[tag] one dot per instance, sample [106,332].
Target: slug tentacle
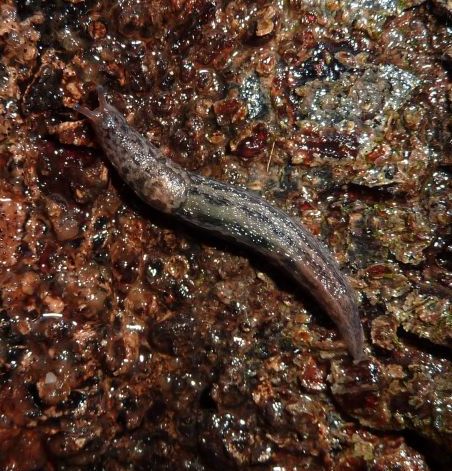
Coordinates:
[230,212]
[101,97]
[90,114]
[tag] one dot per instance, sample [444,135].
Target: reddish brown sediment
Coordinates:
[127,340]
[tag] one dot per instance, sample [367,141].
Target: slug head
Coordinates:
[105,118]
[155,179]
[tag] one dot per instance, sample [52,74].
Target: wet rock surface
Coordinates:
[129,341]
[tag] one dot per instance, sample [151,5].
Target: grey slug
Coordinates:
[230,212]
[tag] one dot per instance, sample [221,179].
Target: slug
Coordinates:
[231,213]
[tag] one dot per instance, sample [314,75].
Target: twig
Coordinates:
[271,155]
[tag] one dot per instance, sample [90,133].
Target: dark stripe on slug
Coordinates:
[213,200]
[258,215]
[235,229]
[250,207]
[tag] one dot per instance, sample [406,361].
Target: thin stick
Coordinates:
[271,155]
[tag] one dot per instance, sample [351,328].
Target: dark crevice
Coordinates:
[440,352]
[434,454]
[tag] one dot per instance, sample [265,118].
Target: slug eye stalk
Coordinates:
[96,113]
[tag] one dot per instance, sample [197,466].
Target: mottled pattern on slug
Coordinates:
[157,180]
[232,213]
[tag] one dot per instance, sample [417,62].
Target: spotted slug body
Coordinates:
[155,179]
[232,213]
